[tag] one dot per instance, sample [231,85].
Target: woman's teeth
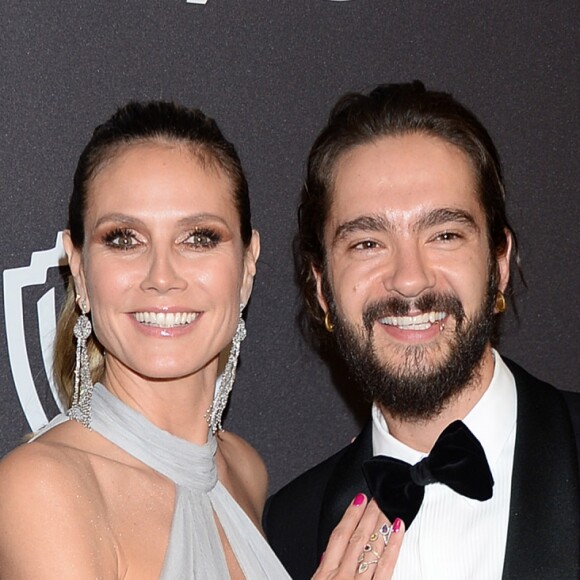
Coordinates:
[165,319]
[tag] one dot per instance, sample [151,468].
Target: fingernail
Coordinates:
[321,557]
[397,525]
[359,499]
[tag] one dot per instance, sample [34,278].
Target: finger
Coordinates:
[367,543]
[342,533]
[386,564]
[361,535]
[362,546]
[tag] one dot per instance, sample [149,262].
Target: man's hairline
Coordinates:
[332,172]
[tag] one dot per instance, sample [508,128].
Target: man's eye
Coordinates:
[366,245]
[447,236]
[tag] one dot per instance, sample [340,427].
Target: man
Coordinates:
[405,252]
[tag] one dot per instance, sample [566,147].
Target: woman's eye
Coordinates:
[203,239]
[120,239]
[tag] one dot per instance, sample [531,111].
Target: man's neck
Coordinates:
[421,435]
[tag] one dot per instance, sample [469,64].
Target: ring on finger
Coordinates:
[363,565]
[366,550]
[386,531]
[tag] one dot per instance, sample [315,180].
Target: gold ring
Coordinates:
[364,566]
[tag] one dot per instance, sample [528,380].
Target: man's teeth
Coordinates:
[165,319]
[419,322]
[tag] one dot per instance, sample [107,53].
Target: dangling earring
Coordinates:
[225,384]
[83,388]
[328,324]
[500,302]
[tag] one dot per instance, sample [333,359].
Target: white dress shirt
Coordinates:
[454,537]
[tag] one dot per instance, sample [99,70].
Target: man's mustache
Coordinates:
[428,302]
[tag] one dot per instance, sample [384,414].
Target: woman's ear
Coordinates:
[75,263]
[251,256]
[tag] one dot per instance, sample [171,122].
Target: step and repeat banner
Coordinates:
[269,71]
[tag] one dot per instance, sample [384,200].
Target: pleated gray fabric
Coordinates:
[195,550]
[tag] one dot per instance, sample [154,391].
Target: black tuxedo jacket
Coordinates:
[544,526]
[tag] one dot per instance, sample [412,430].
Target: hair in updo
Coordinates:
[136,123]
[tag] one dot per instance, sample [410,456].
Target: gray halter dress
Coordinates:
[195,549]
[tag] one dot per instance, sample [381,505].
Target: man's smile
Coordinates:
[419,322]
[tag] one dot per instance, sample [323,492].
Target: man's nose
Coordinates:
[409,272]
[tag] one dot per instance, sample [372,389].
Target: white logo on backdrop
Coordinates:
[15,280]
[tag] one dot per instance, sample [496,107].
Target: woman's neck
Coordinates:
[177,405]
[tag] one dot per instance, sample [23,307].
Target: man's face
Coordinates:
[409,277]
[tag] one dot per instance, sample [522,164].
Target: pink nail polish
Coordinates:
[397,525]
[359,499]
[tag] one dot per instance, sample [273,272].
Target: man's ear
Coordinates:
[251,256]
[75,262]
[319,292]
[503,262]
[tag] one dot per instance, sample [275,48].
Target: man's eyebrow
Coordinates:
[379,223]
[365,223]
[445,215]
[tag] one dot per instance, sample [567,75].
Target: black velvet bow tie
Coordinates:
[457,460]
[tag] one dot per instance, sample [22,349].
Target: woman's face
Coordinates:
[163,268]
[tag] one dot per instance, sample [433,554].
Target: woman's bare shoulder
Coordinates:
[245,471]
[49,457]
[51,516]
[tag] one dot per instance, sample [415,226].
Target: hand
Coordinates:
[363,545]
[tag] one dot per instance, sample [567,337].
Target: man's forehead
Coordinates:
[404,177]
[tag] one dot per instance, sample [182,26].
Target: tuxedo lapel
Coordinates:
[544,526]
[346,481]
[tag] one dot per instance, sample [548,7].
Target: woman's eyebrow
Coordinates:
[119,218]
[130,220]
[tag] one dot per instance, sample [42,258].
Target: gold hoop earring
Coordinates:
[328,322]
[500,302]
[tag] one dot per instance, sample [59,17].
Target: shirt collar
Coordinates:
[491,420]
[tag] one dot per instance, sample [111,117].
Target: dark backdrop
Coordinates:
[269,71]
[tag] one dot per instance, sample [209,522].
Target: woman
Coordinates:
[141,482]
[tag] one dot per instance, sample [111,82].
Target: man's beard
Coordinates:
[419,386]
